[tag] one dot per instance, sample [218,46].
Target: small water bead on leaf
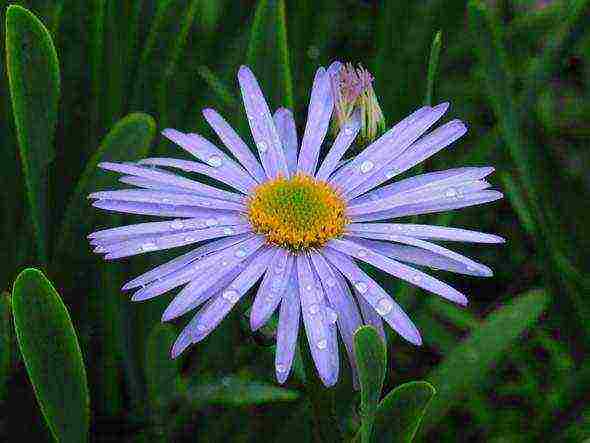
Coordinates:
[231,295]
[384,306]
[366,166]
[215,161]
[322,344]
[361,286]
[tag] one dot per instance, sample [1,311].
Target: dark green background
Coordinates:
[517,72]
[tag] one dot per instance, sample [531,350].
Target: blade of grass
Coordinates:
[432,67]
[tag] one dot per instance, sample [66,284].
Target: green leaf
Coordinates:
[5,341]
[268,53]
[52,356]
[467,365]
[399,414]
[34,79]
[432,67]
[233,390]
[371,356]
[161,371]
[222,92]
[130,139]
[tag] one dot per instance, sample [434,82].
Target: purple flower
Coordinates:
[298,225]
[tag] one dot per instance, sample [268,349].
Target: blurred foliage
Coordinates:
[85,81]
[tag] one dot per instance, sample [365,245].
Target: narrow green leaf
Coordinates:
[233,390]
[161,371]
[34,78]
[221,90]
[5,341]
[463,369]
[519,203]
[400,413]
[371,355]
[129,139]
[268,52]
[52,356]
[432,67]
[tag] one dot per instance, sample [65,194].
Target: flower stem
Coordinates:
[325,423]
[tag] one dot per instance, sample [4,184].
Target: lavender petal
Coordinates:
[288,329]
[287,130]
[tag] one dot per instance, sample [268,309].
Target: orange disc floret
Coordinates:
[297,213]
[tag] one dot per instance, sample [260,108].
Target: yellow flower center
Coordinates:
[297,213]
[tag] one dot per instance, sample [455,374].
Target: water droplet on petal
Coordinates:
[231,295]
[211,222]
[384,306]
[366,166]
[215,161]
[201,327]
[348,130]
[362,253]
[322,344]
[451,193]
[416,278]
[262,146]
[373,197]
[149,246]
[275,285]
[314,309]
[331,315]
[330,282]
[189,239]
[361,286]
[228,231]
[308,287]
[166,200]
[241,253]
[281,368]
[390,173]
[177,224]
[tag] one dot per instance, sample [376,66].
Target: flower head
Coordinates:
[297,225]
[353,91]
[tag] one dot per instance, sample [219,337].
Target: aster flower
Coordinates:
[297,225]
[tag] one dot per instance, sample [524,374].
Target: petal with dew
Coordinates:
[321,104]
[313,307]
[241,182]
[159,210]
[343,141]
[287,329]
[285,124]
[262,126]
[375,296]
[271,289]
[235,144]
[403,272]
[422,149]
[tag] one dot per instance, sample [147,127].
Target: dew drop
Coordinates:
[281,368]
[348,130]
[362,253]
[361,286]
[99,249]
[231,295]
[241,253]
[177,224]
[322,344]
[189,239]
[330,282]
[224,263]
[275,285]
[262,146]
[331,315]
[416,278]
[384,306]
[211,222]
[166,201]
[366,166]
[308,287]
[390,173]
[228,231]
[215,161]
[314,309]
[201,327]
[373,197]
[451,193]
[150,246]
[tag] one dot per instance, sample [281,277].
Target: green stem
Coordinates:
[325,423]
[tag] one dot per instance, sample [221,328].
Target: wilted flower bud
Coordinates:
[353,89]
